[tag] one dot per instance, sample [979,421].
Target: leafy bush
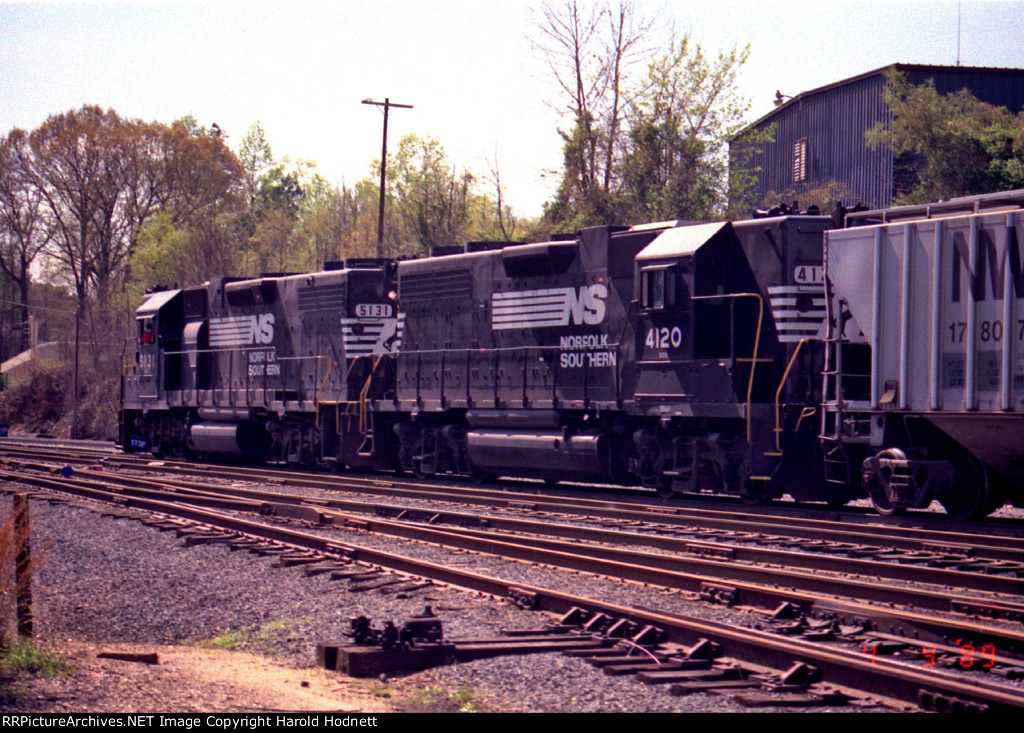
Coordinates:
[42,403]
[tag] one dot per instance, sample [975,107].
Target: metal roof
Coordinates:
[680,241]
[155,302]
[874,72]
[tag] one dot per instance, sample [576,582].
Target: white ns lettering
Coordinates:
[263,329]
[588,307]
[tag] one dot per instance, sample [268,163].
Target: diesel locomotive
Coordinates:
[778,355]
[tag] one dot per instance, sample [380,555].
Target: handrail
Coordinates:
[778,392]
[363,423]
[125,364]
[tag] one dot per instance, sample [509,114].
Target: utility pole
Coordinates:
[386,104]
[958,34]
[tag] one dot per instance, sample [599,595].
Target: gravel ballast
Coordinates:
[116,580]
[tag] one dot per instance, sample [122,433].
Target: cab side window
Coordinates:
[658,287]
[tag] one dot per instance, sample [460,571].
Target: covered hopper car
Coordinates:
[778,355]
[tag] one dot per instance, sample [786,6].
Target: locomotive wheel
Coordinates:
[969,497]
[837,502]
[479,476]
[664,488]
[876,489]
[757,493]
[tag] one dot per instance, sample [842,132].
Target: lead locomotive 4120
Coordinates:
[756,358]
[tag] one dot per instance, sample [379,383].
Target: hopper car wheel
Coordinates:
[969,497]
[876,489]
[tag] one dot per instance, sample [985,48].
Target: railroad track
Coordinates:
[1000,540]
[852,630]
[690,564]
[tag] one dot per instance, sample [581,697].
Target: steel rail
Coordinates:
[703,556]
[898,537]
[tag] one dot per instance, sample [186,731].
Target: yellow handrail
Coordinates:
[778,393]
[363,422]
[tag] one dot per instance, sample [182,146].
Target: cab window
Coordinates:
[658,287]
[146,331]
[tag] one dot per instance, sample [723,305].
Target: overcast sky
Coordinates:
[478,86]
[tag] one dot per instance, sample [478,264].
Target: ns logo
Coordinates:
[549,307]
[263,329]
[235,331]
[588,306]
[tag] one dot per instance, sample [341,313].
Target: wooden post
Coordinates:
[23,565]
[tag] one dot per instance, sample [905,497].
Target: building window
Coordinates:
[800,161]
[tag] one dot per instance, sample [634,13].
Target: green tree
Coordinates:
[675,165]
[277,242]
[333,224]
[640,147]
[431,202]
[161,259]
[948,145]
[256,158]
[194,235]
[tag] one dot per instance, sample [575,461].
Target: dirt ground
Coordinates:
[190,679]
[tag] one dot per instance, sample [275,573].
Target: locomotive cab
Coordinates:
[152,374]
[730,320]
[698,344]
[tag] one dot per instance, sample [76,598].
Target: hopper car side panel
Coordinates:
[938,302]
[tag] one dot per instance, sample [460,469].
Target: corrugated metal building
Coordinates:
[819,135]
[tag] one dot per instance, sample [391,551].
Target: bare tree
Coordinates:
[23,230]
[506,220]
[626,34]
[590,50]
